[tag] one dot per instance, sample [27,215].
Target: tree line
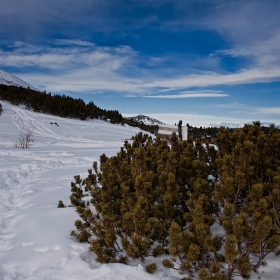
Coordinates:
[63,106]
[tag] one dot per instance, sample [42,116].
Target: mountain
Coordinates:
[11,80]
[145,120]
[228,125]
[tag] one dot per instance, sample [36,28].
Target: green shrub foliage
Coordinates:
[212,207]
[248,195]
[151,268]
[60,204]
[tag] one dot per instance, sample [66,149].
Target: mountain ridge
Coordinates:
[145,120]
[11,80]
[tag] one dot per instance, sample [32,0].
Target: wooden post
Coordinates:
[156,130]
[180,130]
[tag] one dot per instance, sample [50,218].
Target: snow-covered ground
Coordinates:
[35,241]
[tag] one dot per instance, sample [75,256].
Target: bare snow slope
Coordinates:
[11,80]
[35,241]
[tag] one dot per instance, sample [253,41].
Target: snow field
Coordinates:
[35,241]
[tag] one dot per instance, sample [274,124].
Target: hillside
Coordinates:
[11,80]
[63,106]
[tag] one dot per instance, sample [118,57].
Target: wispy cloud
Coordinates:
[67,42]
[246,76]
[271,110]
[191,94]
[76,67]
[82,66]
[235,105]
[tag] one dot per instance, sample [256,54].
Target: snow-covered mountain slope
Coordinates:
[11,80]
[145,120]
[35,241]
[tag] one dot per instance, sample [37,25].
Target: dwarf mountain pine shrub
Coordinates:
[137,195]
[151,268]
[61,204]
[246,191]
[248,194]
[213,209]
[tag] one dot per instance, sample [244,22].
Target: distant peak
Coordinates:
[145,120]
[11,80]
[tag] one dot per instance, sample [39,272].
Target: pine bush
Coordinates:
[151,268]
[156,198]
[61,204]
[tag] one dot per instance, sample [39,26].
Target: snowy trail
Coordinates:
[35,241]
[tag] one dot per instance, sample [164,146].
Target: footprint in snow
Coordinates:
[62,262]
[77,248]
[55,248]
[41,250]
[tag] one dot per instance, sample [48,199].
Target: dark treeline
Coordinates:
[68,107]
[211,133]
[203,132]
[62,105]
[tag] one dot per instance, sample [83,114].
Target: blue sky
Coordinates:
[201,61]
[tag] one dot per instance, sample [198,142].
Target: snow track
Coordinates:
[23,118]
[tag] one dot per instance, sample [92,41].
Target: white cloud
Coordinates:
[190,94]
[235,105]
[271,110]
[67,42]
[76,65]
[246,76]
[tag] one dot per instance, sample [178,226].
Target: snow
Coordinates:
[11,80]
[35,241]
